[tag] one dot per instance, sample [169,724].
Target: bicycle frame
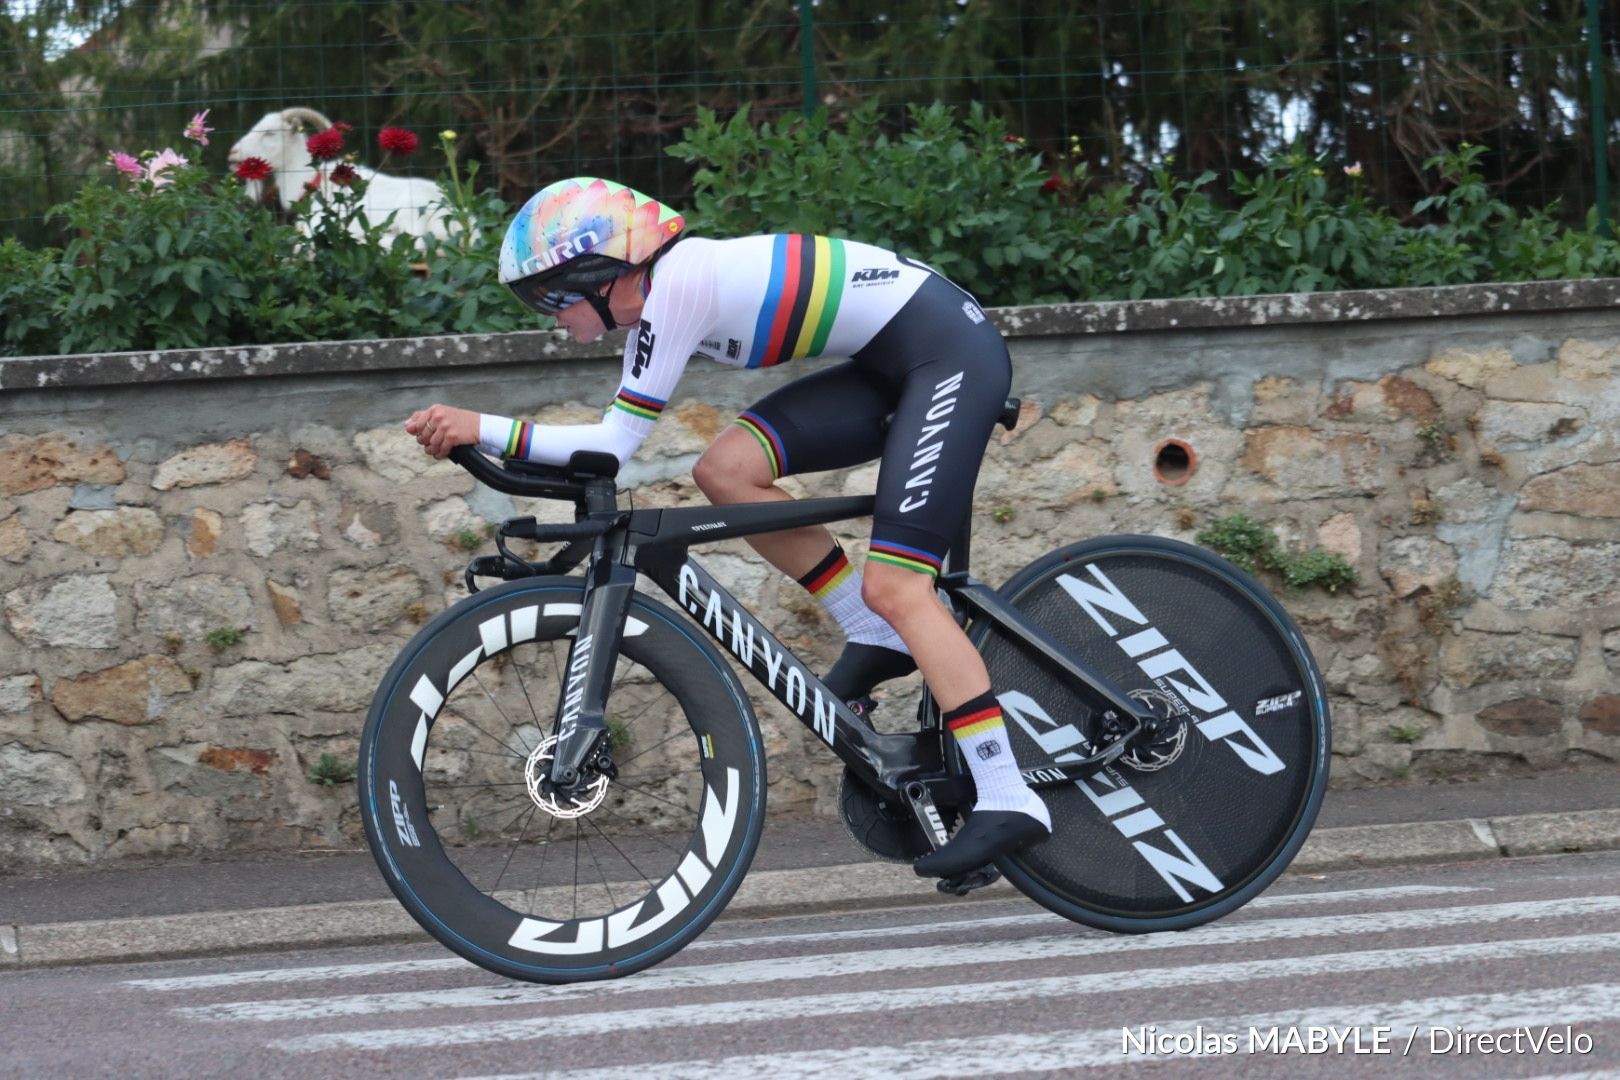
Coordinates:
[908,765]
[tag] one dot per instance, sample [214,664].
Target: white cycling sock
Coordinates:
[837,585]
[982,737]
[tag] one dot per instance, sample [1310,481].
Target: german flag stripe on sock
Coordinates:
[768,439]
[648,408]
[909,557]
[829,579]
[517,443]
[965,727]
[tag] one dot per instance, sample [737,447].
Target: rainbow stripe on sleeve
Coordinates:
[768,440]
[647,408]
[801,299]
[908,557]
[517,443]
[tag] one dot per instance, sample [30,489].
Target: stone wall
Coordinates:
[208,559]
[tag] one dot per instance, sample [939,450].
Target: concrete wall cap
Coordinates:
[1042,320]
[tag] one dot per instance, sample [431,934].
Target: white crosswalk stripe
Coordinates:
[859,963]
[1105,1047]
[326,973]
[754,1010]
[865,1000]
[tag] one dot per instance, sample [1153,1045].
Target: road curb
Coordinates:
[763,893]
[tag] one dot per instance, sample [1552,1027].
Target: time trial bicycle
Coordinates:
[562,778]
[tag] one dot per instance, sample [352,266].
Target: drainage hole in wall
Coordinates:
[1174,462]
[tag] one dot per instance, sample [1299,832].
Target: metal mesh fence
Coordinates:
[540,90]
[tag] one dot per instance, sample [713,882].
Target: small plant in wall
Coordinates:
[1405,733]
[224,637]
[1443,601]
[328,771]
[1435,443]
[1254,547]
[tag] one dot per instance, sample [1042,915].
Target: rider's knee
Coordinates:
[890,590]
[718,474]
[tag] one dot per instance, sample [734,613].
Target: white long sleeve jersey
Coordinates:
[751,302]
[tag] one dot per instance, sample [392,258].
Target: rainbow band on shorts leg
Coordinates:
[976,723]
[768,440]
[908,557]
[639,405]
[517,443]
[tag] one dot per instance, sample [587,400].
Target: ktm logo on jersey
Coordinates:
[644,347]
[875,275]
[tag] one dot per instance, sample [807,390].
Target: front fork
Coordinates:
[580,724]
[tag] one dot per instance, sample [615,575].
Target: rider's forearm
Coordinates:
[553,444]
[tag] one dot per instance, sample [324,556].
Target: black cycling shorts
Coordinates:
[941,371]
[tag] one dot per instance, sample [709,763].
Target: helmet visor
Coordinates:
[546,302]
[549,291]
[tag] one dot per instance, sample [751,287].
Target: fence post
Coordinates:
[807,54]
[1600,123]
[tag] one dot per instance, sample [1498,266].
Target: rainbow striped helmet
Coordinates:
[578,234]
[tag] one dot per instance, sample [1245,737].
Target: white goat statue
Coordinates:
[417,205]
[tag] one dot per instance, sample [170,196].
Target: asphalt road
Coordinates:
[1418,963]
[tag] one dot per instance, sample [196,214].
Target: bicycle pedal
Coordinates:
[962,884]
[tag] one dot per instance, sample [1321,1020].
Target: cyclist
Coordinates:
[597,255]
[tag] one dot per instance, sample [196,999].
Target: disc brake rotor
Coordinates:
[538,769]
[1162,744]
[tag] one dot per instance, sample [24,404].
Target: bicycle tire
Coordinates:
[443,785]
[1145,851]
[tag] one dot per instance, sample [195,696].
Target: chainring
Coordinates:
[887,830]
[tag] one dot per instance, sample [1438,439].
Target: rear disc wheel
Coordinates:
[1206,819]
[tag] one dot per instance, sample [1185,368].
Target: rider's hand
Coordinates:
[440,428]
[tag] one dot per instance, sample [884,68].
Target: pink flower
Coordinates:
[325,145]
[1353,170]
[253,168]
[397,141]
[125,164]
[197,130]
[161,164]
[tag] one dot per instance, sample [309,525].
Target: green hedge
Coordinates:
[965,196]
[188,262]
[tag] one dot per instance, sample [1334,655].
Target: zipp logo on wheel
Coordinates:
[1277,704]
[402,823]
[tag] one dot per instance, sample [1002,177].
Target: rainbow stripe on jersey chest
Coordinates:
[801,299]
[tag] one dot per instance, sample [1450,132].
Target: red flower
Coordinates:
[344,126]
[1054,183]
[397,141]
[253,168]
[344,175]
[325,145]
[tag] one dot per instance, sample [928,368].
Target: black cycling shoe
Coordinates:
[861,667]
[986,835]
